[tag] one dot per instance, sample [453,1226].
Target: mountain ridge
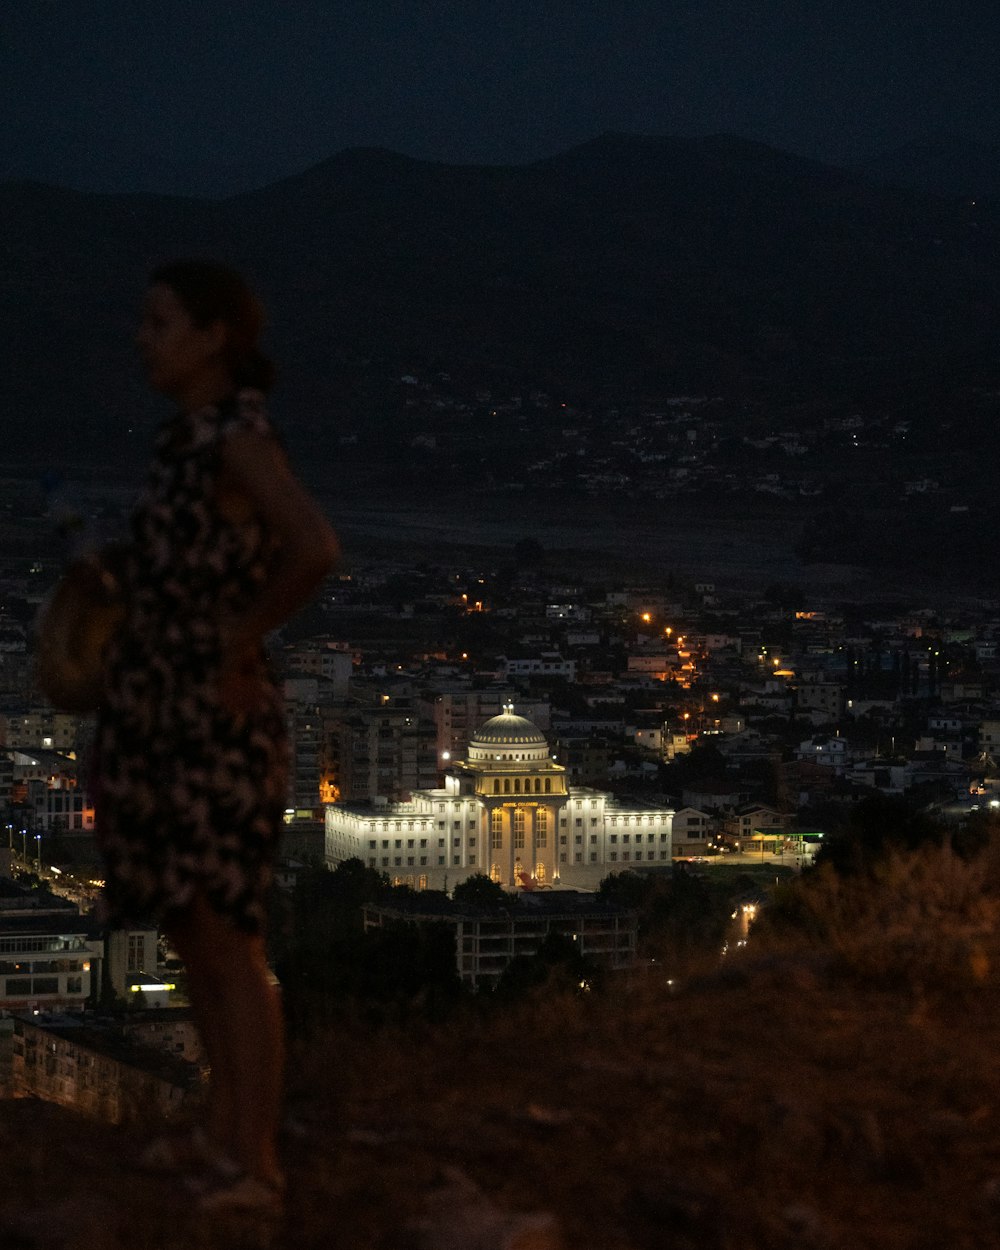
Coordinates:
[627,265]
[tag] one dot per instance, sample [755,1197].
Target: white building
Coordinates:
[506,811]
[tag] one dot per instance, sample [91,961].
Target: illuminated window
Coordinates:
[539,872]
[518,829]
[494,872]
[542,827]
[496,829]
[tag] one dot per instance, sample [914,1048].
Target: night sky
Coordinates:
[203,97]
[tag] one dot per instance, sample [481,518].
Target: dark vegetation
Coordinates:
[832,1085]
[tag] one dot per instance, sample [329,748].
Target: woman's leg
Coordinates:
[204,991]
[239,1015]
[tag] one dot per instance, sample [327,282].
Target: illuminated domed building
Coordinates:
[505,810]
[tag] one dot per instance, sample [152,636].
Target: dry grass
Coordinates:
[817,1094]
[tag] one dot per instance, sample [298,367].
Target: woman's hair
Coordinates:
[211,292]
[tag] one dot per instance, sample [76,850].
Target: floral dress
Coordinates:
[189,795]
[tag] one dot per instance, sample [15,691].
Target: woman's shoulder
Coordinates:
[245,412]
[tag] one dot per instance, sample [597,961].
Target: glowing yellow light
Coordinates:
[646,617]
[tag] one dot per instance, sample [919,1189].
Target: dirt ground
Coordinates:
[772,1104]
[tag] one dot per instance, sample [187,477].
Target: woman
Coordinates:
[226,545]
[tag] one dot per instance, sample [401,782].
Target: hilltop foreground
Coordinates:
[839,1089]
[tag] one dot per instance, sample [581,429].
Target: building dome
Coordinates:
[508,730]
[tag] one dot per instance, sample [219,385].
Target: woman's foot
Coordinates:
[244,1195]
[190,1151]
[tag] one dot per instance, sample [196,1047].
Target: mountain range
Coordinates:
[627,267]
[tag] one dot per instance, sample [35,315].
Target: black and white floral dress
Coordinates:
[190,796]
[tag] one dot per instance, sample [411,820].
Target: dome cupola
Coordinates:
[509,738]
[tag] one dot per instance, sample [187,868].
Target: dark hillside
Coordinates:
[627,266]
[835,1090]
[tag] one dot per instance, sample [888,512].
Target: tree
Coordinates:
[876,825]
[625,889]
[557,967]
[480,891]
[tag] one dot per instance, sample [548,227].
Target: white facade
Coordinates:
[46,963]
[507,812]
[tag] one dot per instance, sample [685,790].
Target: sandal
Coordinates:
[172,1154]
[244,1195]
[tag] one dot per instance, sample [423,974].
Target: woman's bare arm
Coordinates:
[256,476]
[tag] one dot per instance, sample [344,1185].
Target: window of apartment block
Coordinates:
[135,953]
